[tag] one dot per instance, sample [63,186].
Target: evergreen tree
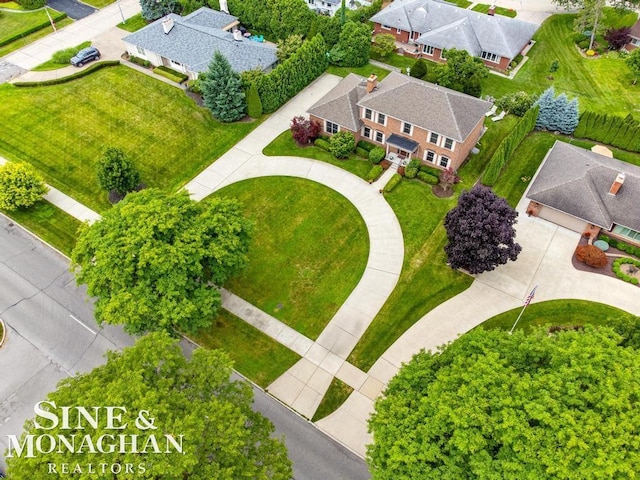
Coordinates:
[254,105]
[570,117]
[222,90]
[419,69]
[154,9]
[547,104]
[353,47]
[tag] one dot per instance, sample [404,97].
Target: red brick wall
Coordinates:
[341,128]
[400,37]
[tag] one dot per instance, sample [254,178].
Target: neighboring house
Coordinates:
[424,28]
[407,116]
[187,44]
[634,33]
[330,7]
[585,192]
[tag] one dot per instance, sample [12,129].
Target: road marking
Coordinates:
[81,323]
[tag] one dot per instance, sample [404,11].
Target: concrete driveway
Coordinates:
[72,8]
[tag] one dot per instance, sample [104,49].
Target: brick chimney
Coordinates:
[167,25]
[372,83]
[617,184]
[492,10]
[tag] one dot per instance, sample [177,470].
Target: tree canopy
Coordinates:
[462,72]
[20,186]
[633,62]
[153,261]
[116,172]
[191,401]
[154,9]
[493,405]
[353,47]
[222,90]
[480,231]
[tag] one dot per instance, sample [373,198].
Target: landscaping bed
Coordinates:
[613,254]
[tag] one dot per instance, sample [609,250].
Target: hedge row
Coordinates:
[621,132]
[374,173]
[170,73]
[428,178]
[392,183]
[139,61]
[35,28]
[292,75]
[508,145]
[617,269]
[620,245]
[80,74]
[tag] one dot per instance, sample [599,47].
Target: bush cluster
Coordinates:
[361,152]
[428,178]
[411,170]
[620,245]
[617,269]
[591,256]
[392,183]
[430,170]
[171,74]
[31,4]
[141,61]
[368,146]
[376,155]
[621,132]
[374,173]
[516,102]
[322,143]
[80,74]
[342,144]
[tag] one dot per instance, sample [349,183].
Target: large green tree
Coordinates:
[20,186]
[192,401]
[462,72]
[154,9]
[154,260]
[117,172]
[493,405]
[353,47]
[222,90]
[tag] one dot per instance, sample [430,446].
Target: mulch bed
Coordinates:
[602,271]
[440,192]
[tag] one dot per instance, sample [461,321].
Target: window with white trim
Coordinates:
[366,132]
[398,30]
[430,156]
[330,127]
[627,232]
[382,119]
[448,143]
[427,49]
[386,27]
[490,57]
[407,128]
[433,137]
[444,162]
[368,114]
[141,50]
[379,137]
[635,41]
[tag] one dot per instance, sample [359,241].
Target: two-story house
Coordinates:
[406,116]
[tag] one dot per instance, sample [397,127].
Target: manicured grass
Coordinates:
[255,355]
[61,58]
[602,85]
[51,224]
[557,312]
[362,71]
[309,250]
[11,6]
[27,39]
[134,23]
[63,129]
[99,3]
[284,144]
[461,3]
[13,23]
[484,8]
[336,395]
[396,60]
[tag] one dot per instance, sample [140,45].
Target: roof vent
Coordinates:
[237,35]
[617,184]
[167,25]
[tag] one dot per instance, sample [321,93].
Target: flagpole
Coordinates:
[517,319]
[526,304]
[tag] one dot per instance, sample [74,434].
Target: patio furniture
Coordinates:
[500,116]
[491,112]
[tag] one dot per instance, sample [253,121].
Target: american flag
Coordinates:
[530,297]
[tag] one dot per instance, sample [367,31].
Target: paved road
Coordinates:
[72,8]
[52,334]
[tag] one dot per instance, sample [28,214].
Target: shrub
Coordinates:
[583,44]
[170,74]
[368,146]
[617,37]
[430,170]
[591,256]
[322,143]
[374,173]
[419,69]
[383,44]
[304,130]
[342,144]
[20,186]
[254,105]
[139,61]
[117,172]
[31,4]
[580,37]
[361,152]
[411,170]
[376,155]
[516,102]
[428,178]
[63,57]
[617,269]
[392,183]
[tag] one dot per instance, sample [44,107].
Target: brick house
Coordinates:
[406,116]
[424,28]
[634,33]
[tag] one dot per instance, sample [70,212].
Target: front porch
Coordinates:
[399,149]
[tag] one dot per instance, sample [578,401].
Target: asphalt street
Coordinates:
[51,334]
[72,8]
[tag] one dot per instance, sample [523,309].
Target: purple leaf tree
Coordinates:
[480,231]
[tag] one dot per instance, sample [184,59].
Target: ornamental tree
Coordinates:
[617,37]
[383,44]
[493,405]
[480,231]
[462,72]
[203,422]
[116,172]
[304,130]
[342,144]
[222,91]
[154,9]
[20,186]
[448,178]
[154,260]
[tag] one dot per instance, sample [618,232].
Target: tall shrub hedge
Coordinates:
[621,132]
[508,145]
[292,75]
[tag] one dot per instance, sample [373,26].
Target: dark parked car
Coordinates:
[85,55]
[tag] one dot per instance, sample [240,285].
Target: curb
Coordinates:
[4,332]
[25,229]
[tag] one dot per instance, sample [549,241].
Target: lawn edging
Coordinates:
[69,78]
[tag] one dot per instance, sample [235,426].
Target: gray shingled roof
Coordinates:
[340,105]
[443,25]
[192,43]
[635,30]
[577,181]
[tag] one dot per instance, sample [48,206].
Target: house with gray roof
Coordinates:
[408,117]
[425,28]
[634,34]
[331,7]
[583,190]
[187,44]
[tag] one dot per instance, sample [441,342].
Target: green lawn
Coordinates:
[27,39]
[602,84]
[61,58]
[362,71]
[11,6]
[396,60]
[99,3]
[63,129]
[255,355]
[133,24]
[484,8]
[336,395]
[51,224]
[284,144]
[309,250]
[557,312]
[14,23]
